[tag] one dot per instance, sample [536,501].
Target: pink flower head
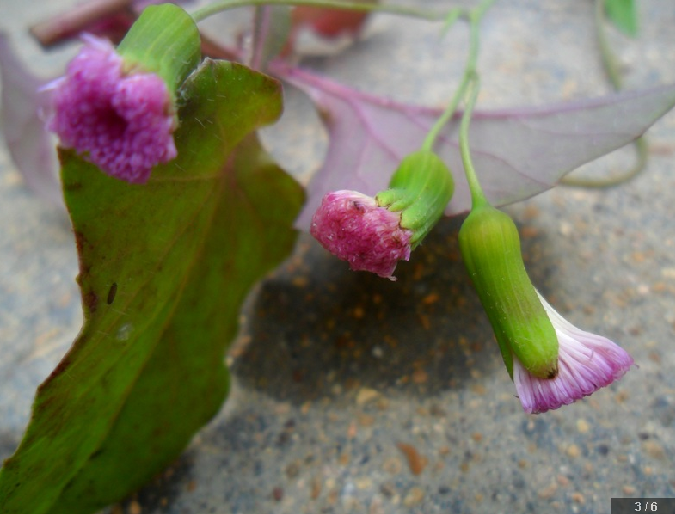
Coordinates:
[586,362]
[353,227]
[121,121]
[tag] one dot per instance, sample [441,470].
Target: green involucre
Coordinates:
[490,246]
[164,40]
[421,187]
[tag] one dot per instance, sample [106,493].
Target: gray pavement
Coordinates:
[355,394]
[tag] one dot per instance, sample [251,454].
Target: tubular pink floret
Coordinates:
[353,227]
[123,123]
[586,363]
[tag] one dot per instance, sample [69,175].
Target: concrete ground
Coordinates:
[356,394]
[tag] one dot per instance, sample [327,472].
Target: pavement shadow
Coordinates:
[317,329]
[160,493]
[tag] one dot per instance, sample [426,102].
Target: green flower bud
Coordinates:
[490,246]
[420,188]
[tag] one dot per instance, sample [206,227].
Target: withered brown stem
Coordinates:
[55,30]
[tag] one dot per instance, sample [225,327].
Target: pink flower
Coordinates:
[586,362]
[353,227]
[121,120]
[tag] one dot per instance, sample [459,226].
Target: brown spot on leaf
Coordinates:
[60,367]
[79,241]
[72,186]
[90,301]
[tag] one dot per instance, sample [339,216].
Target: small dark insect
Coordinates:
[358,206]
[111,293]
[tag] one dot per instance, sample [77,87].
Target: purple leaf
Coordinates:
[517,152]
[30,146]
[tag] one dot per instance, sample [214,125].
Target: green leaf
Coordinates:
[623,14]
[164,268]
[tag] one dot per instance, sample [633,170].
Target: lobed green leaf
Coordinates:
[164,268]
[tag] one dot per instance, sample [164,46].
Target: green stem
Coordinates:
[475,17]
[477,196]
[611,67]
[449,112]
[450,19]
[641,163]
[609,61]
[470,79]
[216,7]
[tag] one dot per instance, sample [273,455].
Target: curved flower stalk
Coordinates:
[122,122]
[373,234]
[586,363]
